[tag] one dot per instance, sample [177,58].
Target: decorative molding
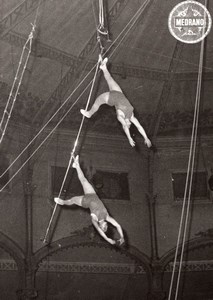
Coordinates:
[184,119]
[206,233]
[86,267]
[28,104]
[192,266]
[42,50]
[8,265]
[106,268]
[77,267]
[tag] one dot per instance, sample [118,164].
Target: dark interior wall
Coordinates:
[8,284]
[174,158]
[193,285]
[9,277]
[12,206]
[89,286]
[97,273]
[196,274]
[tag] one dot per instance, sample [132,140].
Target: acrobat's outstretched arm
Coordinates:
[141,130]
[126,130]
[95,223]
[118,227]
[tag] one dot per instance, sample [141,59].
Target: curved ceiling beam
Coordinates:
[41,50]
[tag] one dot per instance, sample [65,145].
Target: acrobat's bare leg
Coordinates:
[112,84]
[87,187]
[101,99]
[74,200]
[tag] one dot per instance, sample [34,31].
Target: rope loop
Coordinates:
[102,31]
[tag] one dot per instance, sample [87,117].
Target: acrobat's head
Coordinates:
[103,225]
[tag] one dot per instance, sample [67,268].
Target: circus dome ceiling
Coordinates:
[157,72]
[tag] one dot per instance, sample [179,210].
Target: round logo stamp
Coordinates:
[189,22]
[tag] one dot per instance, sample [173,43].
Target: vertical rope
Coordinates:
[72,154]
[101,27]
[18,76]
[101,13]
[189,178]
[15,88]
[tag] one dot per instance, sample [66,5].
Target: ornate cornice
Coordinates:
[171,122]
[42,50]
[77,267]
[85,267]
[106,268]
[191,266]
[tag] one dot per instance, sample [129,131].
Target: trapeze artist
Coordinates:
[98,211]
[124,109]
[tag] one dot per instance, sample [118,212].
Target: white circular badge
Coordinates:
[189,22]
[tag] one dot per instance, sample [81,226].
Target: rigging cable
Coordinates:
[189,180]
[72,153]
[18,77]
[15,88]
[132,21]
[102,27]
[102,30]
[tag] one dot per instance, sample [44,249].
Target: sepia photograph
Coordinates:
[106,150]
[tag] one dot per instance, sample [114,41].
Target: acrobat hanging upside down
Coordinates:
[98,211]
[124,109]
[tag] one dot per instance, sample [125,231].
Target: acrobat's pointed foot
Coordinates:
[76,162]
[85,113]
[103,63]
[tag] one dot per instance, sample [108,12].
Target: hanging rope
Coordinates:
[18,78]
[72,153]
[102,30]
[101,27]
[189,180]
[15,87]
[132,21]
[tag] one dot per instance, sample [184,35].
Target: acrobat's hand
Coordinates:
[121,241]
[148,143]
[112,242]
[59,201]
[132,142]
